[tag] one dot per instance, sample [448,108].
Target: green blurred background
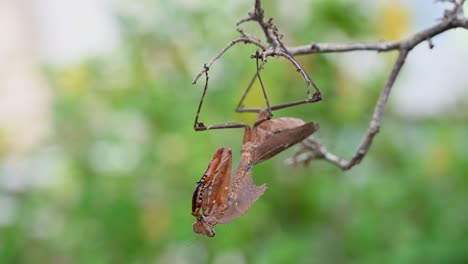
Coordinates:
[113,181]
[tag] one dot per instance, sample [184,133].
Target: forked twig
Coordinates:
[275,48]
[312,149]
[258,15]
[316,149]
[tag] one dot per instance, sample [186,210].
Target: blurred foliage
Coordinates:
[124,157]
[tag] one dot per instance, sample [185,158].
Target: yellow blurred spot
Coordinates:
[5,142]
[348,90]
[254,99]
[392,21]
[172,149]
[74,80]
[439,160]
[155,222]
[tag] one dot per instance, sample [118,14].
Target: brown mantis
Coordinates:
[220,198]
[223,198]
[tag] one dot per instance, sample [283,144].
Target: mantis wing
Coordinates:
[273,136]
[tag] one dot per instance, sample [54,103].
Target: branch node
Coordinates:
[314,47]
[430,43]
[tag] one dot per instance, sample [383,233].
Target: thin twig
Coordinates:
[374,125]
[381,46]
[312,148]
[298,67]
[259,15]
[275,47]
[244,39]
[317,150]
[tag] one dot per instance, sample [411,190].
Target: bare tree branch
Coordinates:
[275,48]
[319,152]
[452,19]
[410,42]
[311,148]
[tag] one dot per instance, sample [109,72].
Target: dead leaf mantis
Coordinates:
[223,198]
[220,198]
